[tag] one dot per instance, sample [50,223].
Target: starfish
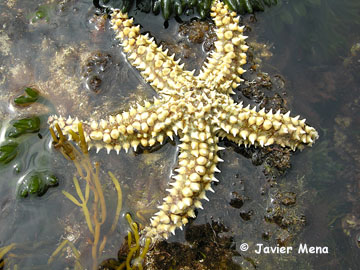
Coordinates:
[197,109]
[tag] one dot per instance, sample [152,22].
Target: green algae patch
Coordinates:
[36,183]
[23,126]
[8,152]
[179,7]
[42,13]
[31,95]
[19,147]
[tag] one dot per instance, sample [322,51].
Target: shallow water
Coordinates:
[313,49]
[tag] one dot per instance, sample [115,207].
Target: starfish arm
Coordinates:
[224,64]
[163,73]
[145,125]
[195,172]
[249,127]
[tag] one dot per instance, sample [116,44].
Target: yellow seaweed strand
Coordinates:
[98,213]
[87,192]
[95,244]
[122,266]
[100,193]
[102,244]
[98,199]
[57,251]
[136,248]
[71,198]
[130,255]
[119,201]
[83,144]
[141,212]
[78,189]
[83,205]
[74,250]
[65,148]
[78,266]
[87,218]
[146,248]
[6,249]
[61,135]
[52,132]
[84,208]
[138,262]
[80,167]
[61,247]
[136,234]
[75,137]
[129,239]
[130,221]
[128,258]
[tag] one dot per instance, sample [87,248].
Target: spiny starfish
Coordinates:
[198,109]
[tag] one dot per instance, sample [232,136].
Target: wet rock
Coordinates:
[93,83]
[276,102]
[266,236]
[109,264]
[259,88]
[94,71]
[284,238]
[277,161]
[123,251]
[253,93]
[352,60]
[236,200]
[255,86]
[284,218]
[196,37]
[182,49]
[208,248]
[17,29]
[246,215]
[288,198]
[258,156]
[350,224]
[274,159]
[199,32]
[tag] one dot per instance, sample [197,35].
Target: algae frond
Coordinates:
[92,202]
[136,255]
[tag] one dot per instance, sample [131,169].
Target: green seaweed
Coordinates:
[8,151]
[31,96]
[17,128]
[179,7]
[248,6]
[23,126]
[10,148]
[42,13]
[36,183]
